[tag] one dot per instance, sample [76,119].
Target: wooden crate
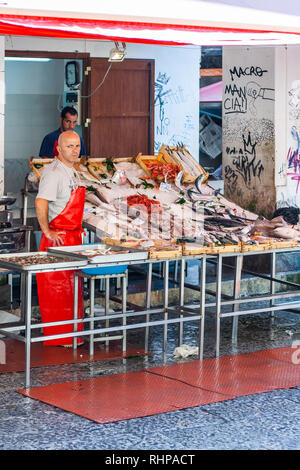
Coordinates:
[36,164]
[224,249]
[259,247]
[142,160]
[164,252]
[125,243]
[194,250]
[285,244]
[187,176]
[97,166]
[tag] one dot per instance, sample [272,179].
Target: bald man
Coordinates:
[59,208]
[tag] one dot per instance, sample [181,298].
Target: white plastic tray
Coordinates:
[84,252]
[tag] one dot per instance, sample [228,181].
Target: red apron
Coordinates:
[55,151]
[56,289]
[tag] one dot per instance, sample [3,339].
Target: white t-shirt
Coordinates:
[55,186]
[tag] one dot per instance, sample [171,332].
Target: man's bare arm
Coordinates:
[41,206]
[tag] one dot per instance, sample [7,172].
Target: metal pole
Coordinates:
[28,329]
[202,306]
[75,313]
[107,305]
[176,269]
[218,302]
[124,303]
[92,313]
[23,296]
[272,283]
[148,303]
[181,300]
[166,298]
[236,294]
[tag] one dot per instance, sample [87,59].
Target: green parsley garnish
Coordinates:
[181,201]
[146,185]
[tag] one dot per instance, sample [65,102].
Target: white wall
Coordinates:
[176,70]
[288,168]
[176,88]
[33,91]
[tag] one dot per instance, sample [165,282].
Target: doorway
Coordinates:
[121,110]
[35,85]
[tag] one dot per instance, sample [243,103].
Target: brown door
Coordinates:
[121,109]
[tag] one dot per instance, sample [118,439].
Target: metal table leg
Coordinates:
[176,270]
[166,298]
[124,304]
[107,305]
[75,311]
[22,297]
[28,329]
[148,303]
[181,300]
[27,240]
[272,283]
[202,306]
[218,302]
[25,206]
[236,294]
[92,313]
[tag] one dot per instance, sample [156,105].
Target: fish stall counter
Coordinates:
[82,258]
[29,264]
[103,256]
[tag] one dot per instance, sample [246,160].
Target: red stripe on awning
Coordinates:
[138,32]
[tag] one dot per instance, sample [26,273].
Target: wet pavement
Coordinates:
[264,421]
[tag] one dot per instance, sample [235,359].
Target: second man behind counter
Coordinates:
[68,121]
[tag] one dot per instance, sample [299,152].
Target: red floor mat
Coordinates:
[162,389]
[14,354]
[122,396]
[242,374]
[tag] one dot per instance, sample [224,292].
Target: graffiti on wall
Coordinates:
[294,101]
[248,125]
[164,96]
[244,99]
[244,164]
[286,201]
[293,158]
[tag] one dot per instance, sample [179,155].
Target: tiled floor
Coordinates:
[263,421]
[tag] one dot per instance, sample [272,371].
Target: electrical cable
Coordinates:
[100,84]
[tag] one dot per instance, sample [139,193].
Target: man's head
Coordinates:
[68,147]
[68,119]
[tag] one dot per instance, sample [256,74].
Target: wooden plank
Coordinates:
[163,253]
[259,247]
[195,250]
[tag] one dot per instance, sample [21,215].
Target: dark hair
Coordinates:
[70,110]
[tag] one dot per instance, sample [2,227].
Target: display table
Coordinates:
[237,300]
[180,314]
[27,327]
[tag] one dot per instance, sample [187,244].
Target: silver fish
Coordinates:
[190,193]
[178,180]
[198,182]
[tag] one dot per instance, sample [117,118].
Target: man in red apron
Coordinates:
[59,208]
[68,122]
